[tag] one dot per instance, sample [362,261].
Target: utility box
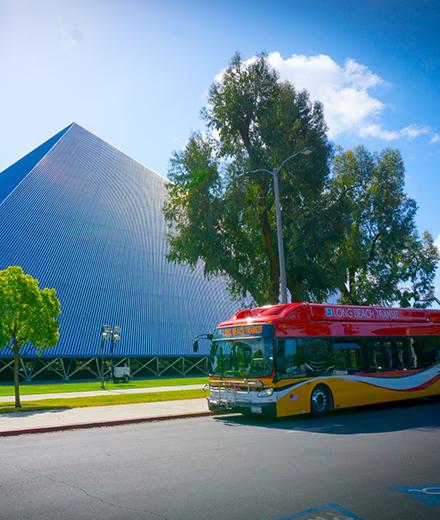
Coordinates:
[121,374]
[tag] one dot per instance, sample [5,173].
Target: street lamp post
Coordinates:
[105,334]
[276,188]
[114,335]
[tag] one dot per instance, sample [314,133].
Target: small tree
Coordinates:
[28,314]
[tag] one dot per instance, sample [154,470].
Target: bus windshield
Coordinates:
[242,357]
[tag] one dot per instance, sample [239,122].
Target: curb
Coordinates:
[100,424]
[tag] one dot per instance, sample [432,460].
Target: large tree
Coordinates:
[227,220]
[382,258]
[28,315]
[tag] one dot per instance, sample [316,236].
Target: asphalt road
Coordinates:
[355,464]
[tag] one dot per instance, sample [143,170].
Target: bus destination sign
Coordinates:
[243,331]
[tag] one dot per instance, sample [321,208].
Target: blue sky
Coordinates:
[136,72]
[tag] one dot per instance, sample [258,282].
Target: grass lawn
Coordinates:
[53,388]
[105,400]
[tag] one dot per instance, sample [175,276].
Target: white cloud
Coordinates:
[347,92]
[413,130]
[344,90]
[410,132]
[375,130]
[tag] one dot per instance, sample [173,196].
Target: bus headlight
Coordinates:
[267,392]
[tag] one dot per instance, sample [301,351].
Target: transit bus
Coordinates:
[305,358]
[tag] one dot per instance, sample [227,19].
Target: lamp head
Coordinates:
[105,331]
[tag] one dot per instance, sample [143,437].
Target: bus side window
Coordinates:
[318,356]
[428,350]
[374,359]
[346,356]
[410,354]
[387,355]
[400,362]
[287,357]
[339,360]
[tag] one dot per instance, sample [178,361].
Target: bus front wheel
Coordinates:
[320,401]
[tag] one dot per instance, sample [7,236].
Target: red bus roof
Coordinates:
[330,319]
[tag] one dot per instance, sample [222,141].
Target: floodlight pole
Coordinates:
[115,336]
[275,172]
[112,346]
[105,333]
[102,362]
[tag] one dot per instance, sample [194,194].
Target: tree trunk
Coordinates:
[352,286]
[16,351]
[348,288]
[274,288]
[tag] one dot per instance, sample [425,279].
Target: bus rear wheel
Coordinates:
[320,401]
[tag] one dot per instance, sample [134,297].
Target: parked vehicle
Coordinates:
[308,358]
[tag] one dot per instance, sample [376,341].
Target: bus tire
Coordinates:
[321,401]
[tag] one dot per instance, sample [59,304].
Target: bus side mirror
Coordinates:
[196,340]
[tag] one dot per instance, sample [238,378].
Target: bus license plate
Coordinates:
[256,409]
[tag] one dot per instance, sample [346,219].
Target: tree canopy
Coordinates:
[383,259]
[28,315]
[348,225]
[227,220]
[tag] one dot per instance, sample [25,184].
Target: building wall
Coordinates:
[87,221]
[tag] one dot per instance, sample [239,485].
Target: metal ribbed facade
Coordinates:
[84,218]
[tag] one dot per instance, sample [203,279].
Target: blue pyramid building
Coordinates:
[86,219]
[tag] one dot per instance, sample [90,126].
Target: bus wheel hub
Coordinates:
[319,400]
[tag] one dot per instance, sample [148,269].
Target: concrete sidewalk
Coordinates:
[67,395]
[55,420]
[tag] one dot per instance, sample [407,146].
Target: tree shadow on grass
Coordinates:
[11,412]
[423,414]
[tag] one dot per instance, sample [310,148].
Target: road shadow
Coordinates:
[421,414]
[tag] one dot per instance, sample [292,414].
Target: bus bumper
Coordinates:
[267,410]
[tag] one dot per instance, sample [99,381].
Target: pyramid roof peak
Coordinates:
[18,171]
